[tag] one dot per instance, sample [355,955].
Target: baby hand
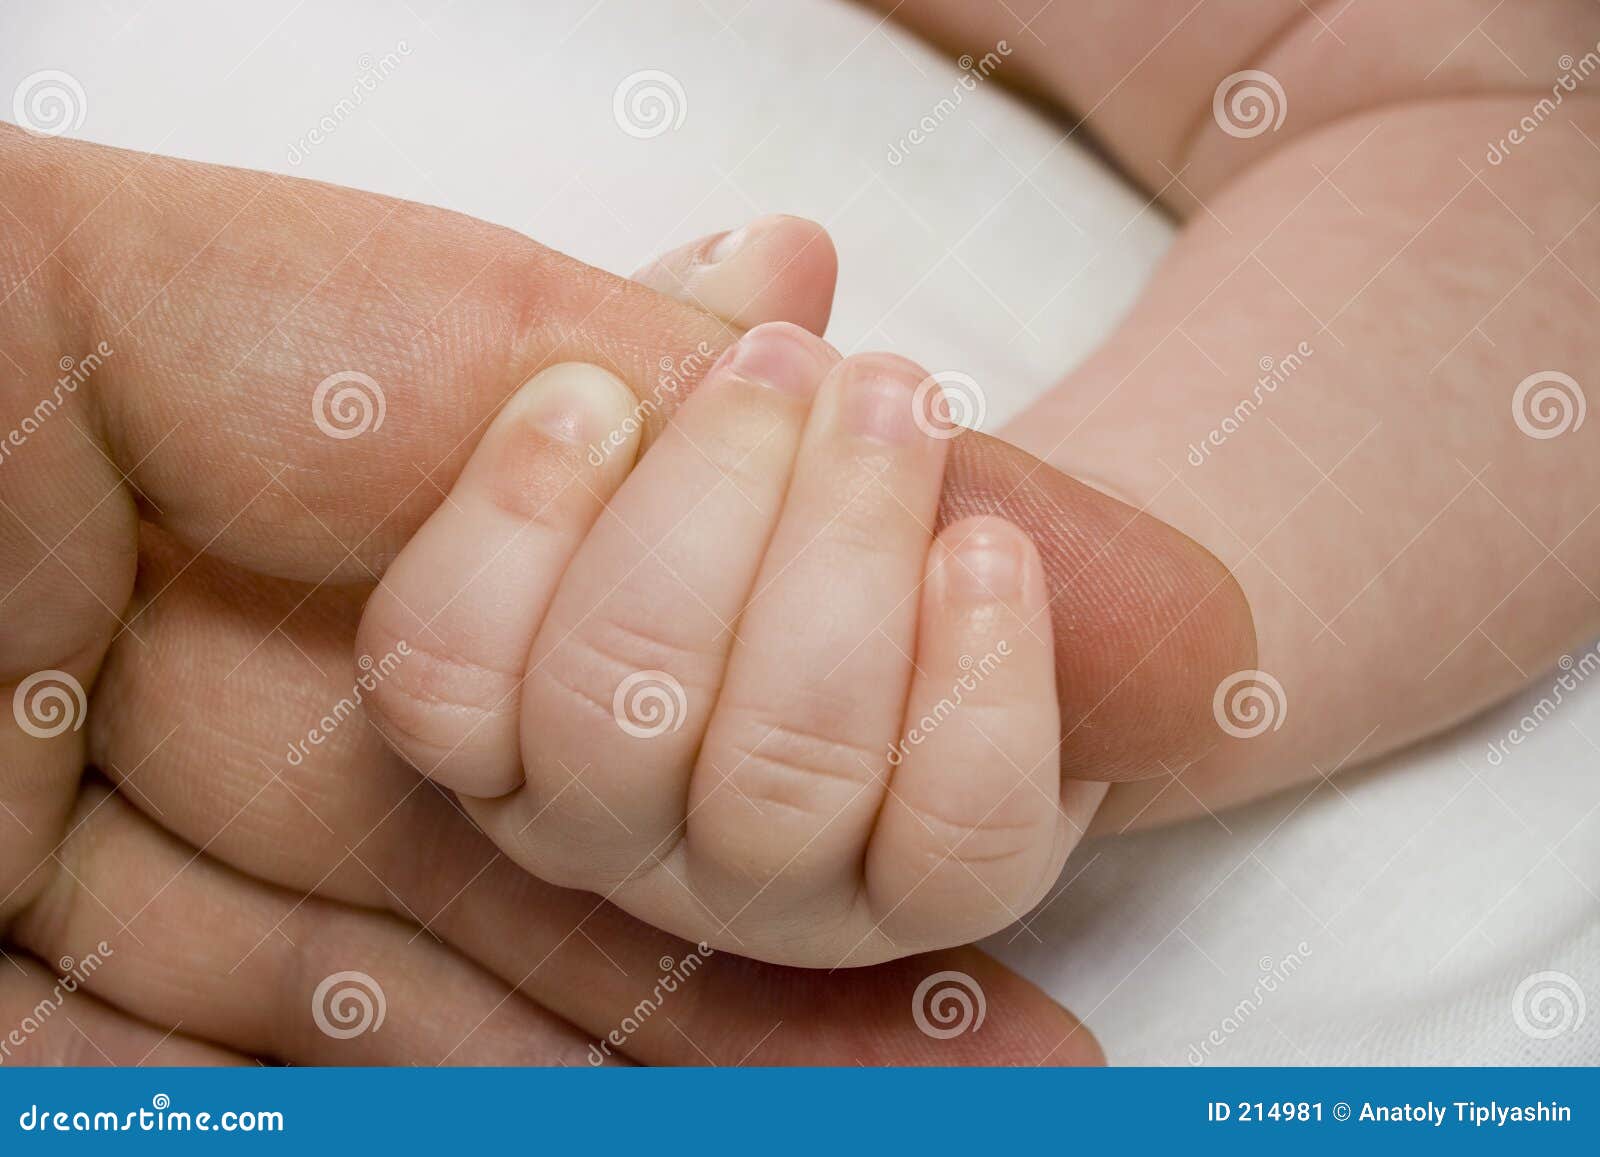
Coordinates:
[744,692]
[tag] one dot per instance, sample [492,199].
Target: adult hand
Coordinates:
[192,511]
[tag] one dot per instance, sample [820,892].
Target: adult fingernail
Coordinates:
[737,240]
[727,245]
[986,565]
[776,356]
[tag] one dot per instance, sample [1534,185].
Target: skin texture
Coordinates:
[246,978]
[1143,81]
[178,268]
[757,808]
[1426,287]
[1411,555]
[232,622]
[286,845]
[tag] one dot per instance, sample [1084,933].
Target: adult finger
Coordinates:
[188,941]
[776,268]
[54,1022]
[324,446]
[185,738]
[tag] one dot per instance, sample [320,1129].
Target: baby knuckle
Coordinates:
[434,697]
[802,770]
[631,647]
[554,688]
[575,838]
[980,841]
[635,677]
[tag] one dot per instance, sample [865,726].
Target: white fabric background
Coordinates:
[1425,891]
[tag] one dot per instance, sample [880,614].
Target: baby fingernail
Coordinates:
[881,406]
[986,566]
[774,356]
[575,402]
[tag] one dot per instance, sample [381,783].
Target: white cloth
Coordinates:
[1395,916]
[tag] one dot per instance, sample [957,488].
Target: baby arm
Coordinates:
[1358,376]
